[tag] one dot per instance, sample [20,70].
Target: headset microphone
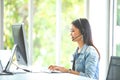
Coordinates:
[75,37]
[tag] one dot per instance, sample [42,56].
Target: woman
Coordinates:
[86,57]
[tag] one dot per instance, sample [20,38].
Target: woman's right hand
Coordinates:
[58,68]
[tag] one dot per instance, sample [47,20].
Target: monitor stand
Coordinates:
[6,73]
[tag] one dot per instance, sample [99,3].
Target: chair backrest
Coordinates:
[114,69]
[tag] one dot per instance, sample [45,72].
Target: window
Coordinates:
[14,12]
[117,28]
[70,11]
[44,30]
[44,27]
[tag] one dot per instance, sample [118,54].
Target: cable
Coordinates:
[22,68]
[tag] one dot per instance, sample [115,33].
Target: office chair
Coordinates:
[114,69]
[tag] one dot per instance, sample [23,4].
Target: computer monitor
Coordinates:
[19,37]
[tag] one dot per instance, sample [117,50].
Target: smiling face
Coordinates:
[75,33]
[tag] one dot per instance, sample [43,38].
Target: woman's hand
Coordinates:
[58,68]
[62,69]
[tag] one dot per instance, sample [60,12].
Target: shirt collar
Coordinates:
[83,48]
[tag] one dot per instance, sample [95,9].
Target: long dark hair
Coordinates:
[83,25]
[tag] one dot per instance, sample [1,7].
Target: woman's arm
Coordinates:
[62,69]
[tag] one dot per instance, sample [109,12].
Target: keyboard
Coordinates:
[49,71]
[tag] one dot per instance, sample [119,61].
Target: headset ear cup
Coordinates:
[82,28]
[82,31]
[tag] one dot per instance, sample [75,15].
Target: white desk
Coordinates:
[43,76]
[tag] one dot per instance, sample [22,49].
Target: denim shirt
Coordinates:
[87,62]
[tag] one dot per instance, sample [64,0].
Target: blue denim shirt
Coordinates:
[87,62]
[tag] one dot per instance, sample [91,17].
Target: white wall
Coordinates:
[99,20]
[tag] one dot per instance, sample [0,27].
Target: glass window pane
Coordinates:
[44,32]
[117,29]
[70,10]
[15,11]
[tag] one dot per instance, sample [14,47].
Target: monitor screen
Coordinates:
[20,39]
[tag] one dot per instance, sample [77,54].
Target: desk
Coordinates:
[43,76]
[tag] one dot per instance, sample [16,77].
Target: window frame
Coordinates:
[1,23]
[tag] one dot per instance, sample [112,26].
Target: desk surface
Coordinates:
[43,76]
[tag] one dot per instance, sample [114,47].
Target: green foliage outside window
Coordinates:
[44,27]
[118,25]
[118,12]
[14,12]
